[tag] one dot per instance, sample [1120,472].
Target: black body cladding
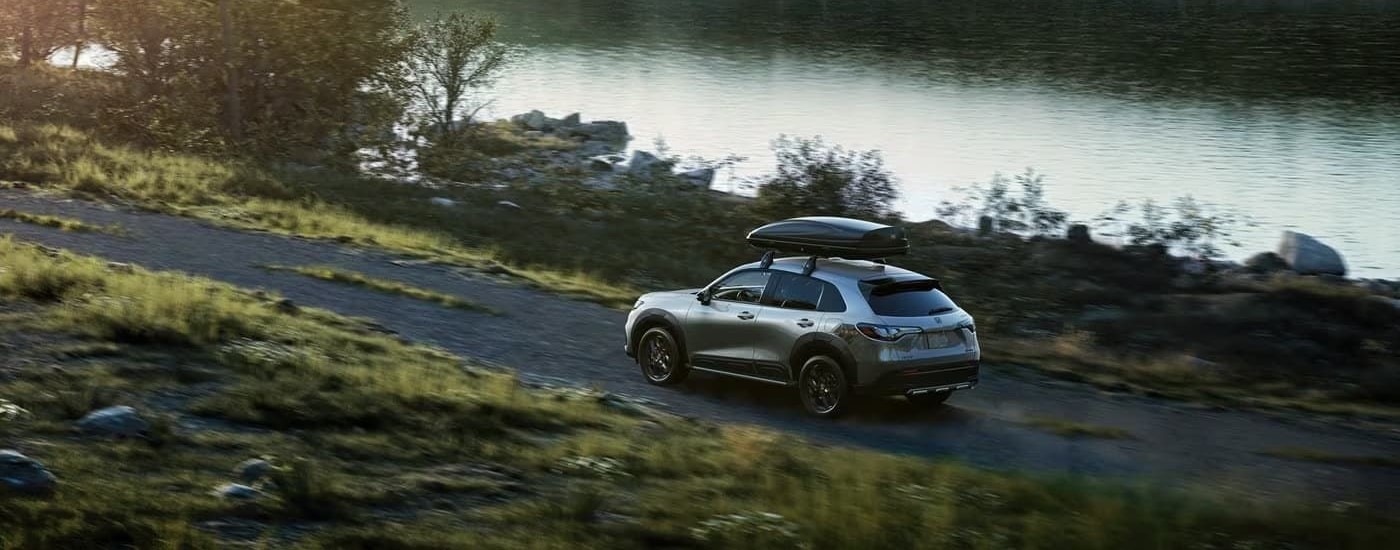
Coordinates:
[832,237]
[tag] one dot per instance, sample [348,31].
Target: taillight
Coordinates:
[886,333]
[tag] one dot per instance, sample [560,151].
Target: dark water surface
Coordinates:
[1288,111]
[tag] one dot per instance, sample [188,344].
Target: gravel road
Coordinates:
[548,337]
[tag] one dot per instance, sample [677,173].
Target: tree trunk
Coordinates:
[26,44]
[80,37]
[233,103]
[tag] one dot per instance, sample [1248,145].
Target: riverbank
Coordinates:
[1131,318]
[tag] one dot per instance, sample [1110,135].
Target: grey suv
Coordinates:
[830,327]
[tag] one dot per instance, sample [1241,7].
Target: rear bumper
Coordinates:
[919,381]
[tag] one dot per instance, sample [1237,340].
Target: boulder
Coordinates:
[1308,256]
[604,163]
[986,225]
[287,306]
[571,121]
[534,120]
[610,131]
[443,202]
[1079,233]
[699,177]
[234,491]
[645,165]
[1265,263]
[23,475]
[595,149]
[253,470]
[120,421]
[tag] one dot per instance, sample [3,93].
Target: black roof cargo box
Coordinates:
[832,237]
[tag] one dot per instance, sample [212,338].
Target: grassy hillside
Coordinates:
[382,444]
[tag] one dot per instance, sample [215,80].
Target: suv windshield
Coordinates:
[908,299]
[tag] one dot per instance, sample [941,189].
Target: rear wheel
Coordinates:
[660,357]
[930,400]
[823,387]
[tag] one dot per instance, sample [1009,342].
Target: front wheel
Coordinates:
[823,387]
[660,358]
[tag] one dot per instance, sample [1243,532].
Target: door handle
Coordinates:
[746,316]
[804,323]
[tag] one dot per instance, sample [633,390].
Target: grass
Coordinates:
[389,446]
[58,222]
[1069,428]
[1314,455]
[245,196]
[386,286]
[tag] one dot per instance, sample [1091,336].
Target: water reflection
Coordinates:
[1289,111]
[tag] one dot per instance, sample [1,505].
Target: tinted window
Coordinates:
[794,292]
[804,293]
[909,299]
[746,286]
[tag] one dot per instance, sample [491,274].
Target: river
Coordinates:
[1287,111]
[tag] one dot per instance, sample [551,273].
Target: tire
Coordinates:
[930,400]
[660,358]
[823,387]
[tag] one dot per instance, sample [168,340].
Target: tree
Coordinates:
[269,75]
[36,28]
[450,57]
[814,178]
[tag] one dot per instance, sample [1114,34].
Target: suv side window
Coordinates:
[805,293]
[745,286]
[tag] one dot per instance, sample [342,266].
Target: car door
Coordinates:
[794,307]
[719,335]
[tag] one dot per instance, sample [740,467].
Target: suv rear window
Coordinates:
[917,298]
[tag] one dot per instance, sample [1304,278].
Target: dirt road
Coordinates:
[548,337]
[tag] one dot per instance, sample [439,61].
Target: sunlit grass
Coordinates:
[245,196]
[386,286]
[58,222]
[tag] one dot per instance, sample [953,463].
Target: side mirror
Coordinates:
[703,296]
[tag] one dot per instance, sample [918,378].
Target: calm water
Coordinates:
[1288,111]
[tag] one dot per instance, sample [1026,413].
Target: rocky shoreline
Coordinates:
[598,150]
[595,154]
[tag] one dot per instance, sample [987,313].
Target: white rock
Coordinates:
[234,491]
[120,421]
[443,202]
[1308,256]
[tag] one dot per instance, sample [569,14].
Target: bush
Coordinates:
[1024,213]
[815,178]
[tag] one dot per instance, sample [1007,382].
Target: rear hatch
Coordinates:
[946,331]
